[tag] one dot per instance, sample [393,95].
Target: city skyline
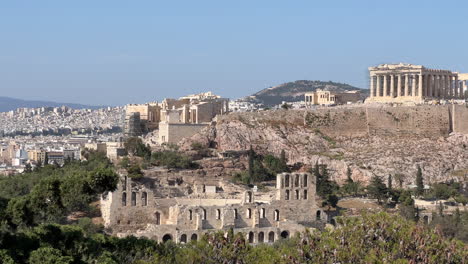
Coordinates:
[67,52]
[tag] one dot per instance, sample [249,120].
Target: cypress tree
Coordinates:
[389,182]
[348,174]
[419,182]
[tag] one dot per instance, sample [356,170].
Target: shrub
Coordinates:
[172,159]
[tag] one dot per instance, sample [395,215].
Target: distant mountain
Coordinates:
[8,104]
[294,91]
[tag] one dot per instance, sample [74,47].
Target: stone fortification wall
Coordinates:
[460,119]
[426,121]
[338,122]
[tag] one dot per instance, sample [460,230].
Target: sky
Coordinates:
[117,52]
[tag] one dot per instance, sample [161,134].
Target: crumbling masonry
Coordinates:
[182,208]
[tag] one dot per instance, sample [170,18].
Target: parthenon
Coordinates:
[412,83]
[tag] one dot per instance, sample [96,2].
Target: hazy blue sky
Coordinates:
[116,52]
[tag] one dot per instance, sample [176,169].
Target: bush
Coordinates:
[172,159]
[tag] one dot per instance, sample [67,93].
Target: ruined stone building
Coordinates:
[181,207]
[394,83]
[323,97]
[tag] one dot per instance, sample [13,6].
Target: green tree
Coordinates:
[419,182]
[136,147]
[46,159]
[124,162]
[134,171]
[28,168]
[377,189]
[406,207]
[48,255]
[102,180]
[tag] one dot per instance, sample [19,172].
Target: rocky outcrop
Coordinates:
[371,141]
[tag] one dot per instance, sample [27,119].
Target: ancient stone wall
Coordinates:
[425,121]
[338,122]
[460,119]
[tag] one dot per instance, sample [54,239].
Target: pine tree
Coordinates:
[377,189]
[419,182]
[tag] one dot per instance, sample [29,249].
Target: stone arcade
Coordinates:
[180,208]
[412,83]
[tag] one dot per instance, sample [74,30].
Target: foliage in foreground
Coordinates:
[372,238]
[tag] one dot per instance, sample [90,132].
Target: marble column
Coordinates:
[392,85]
[443,89]
[399,86]
[420,92]
[448,85]
[436,86]
[377,92]
[429,86]
[385,85]
[413,86]
[406,85]
[451,86]
[455,88]
[461,93]
[372,88]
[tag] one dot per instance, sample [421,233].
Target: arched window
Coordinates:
[133,198]
[167,237]
[144,199]
[287,195]
[249,195]
[158,218]
[318,215]
[251,237]
[125,183]
[183,238]
[235,214]
[218,214]
[249,213]
[190,215]
[286,180]
[277,215]
[194,237]
[305,195]
[204,214]
[261,237]
[271,237]
[124,199]
[297,181]
[297,194]
[305,180]
[284,234]
[262,213]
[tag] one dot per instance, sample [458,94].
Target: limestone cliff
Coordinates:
[370,140]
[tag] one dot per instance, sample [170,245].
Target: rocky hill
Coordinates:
[8,104]
[370,140]
[294,91]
